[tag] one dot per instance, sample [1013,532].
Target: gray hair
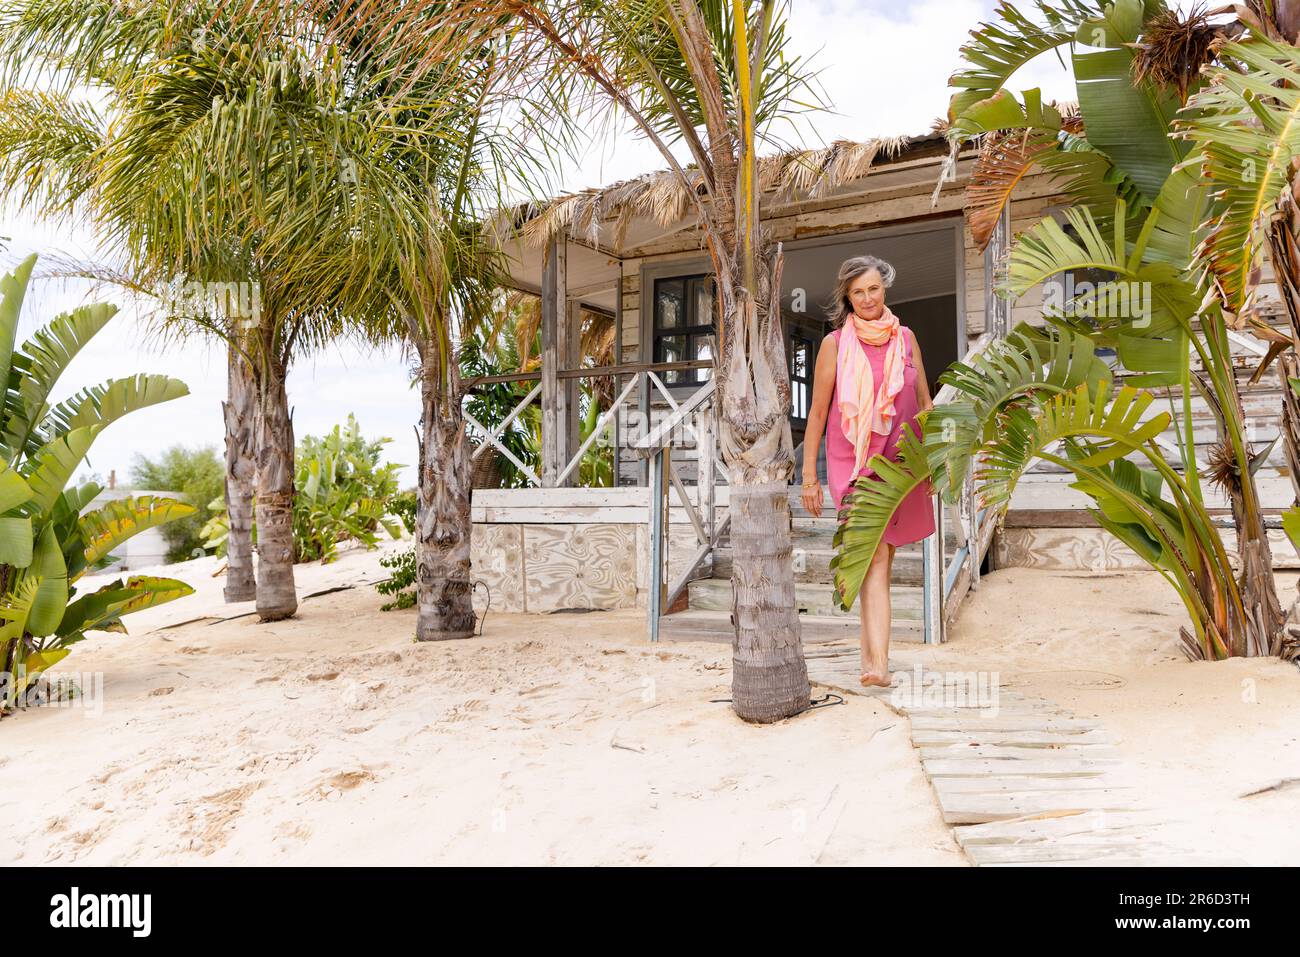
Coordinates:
[839,306]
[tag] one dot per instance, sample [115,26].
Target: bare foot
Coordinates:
[878,679]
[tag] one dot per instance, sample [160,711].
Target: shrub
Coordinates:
[342,492]
[199,475]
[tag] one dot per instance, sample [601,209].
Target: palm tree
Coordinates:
[435,161]
[715,76]
[232,158]
[1139,217]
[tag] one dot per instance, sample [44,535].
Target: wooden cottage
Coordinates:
[657,539]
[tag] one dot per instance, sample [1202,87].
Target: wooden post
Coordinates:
[618,380]
[567,417]
[706,477]
[656,588]
[933,575]
[554,306]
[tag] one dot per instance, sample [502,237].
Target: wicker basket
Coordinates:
[487,471]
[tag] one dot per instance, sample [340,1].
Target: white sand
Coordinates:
[332,738]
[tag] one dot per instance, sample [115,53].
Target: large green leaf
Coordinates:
[103,609]
[105,528]
[52,589]
[1116,428]
[1245,126]
[14,490]
[1291,525]
[1029,360]
[1144,312]
[104,404]
[998,49]
[37,368]
[50,470]
[13,288]
[16,540]
[1126,120]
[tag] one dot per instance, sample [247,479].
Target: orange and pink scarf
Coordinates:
[863,409]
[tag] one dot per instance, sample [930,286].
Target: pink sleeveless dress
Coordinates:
[914,519]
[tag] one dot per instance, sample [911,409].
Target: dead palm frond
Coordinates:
[1175,46]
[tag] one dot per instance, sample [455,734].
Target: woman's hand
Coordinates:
[812,499]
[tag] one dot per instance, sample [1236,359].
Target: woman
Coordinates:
[869,381]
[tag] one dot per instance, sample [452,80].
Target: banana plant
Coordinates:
[48,539]
[1140,216]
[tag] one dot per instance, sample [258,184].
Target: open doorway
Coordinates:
[928,296]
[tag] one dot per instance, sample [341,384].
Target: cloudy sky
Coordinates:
[884,67]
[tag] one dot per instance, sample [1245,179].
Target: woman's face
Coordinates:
[867,294]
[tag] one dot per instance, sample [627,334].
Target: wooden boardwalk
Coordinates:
[1022,781]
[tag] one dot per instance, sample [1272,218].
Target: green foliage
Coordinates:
[403,505]
[198,474]
[47,540]
[402,583]
[342,492]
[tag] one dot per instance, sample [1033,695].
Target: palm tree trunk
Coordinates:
[276,597]
[240,409]
[769,674]
[443,590]
[1263,633]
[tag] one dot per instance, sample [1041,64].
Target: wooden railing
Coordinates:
[695,416]
[643,374]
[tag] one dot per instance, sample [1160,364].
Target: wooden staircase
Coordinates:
[1048,525]
[706,614]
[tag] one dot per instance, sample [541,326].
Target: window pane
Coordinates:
[672,349]
[703,350]
[799,368]
[670,303]
[700,290]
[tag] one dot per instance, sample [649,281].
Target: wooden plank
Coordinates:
[1077,826]
[1047,767]
[1023,783]
[1019,739]
[569,516]
[978,808]
[554,311]
[627,497]
[967,751]
[974,721]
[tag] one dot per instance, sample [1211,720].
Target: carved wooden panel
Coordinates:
[579,566]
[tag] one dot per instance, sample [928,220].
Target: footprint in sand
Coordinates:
[333,787]
[208,821]
[466,710]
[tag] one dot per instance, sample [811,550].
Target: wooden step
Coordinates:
[713,594]
[706,625]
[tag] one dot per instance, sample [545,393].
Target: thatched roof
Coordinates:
[662,196]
